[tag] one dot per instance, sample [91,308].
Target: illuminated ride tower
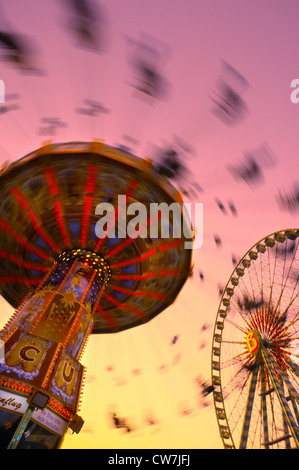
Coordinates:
[67,281]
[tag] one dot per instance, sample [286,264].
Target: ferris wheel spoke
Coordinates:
[293,298]
[296,318]
[234,342]
[238,327]
[295,407]
[249,406]
[251,292]
[237,384]
[259,281]
[235,360]
[272,424]
[264,409]
[287,276]
[288,383]
[241,315]
[238,381]
[273,371]
[270,278]
[237,413]
[279,259]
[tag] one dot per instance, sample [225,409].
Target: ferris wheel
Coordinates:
[255,350]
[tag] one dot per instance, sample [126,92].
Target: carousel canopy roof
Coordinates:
[48,205]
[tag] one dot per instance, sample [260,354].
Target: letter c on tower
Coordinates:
[24,353]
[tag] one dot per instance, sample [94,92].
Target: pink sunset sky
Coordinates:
[259,39]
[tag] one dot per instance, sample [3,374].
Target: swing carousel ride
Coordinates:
[88,101]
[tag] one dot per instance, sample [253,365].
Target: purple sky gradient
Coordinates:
[259,38]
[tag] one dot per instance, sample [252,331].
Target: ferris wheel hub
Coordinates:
[266,339]
[254,341]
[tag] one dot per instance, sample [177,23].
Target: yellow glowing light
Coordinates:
[252,341]
[69,298]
